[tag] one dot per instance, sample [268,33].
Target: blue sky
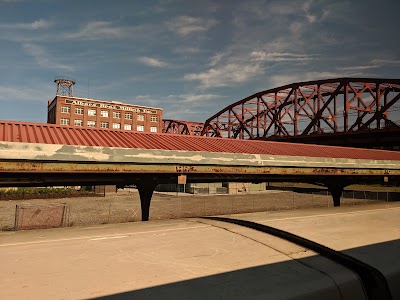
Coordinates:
[191,58]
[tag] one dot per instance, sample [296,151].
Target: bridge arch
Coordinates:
[341,105]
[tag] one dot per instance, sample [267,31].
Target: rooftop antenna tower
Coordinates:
[64,85]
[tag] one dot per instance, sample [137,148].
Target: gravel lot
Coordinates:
[124,206]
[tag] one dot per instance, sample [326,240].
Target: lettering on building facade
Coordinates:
[109,106]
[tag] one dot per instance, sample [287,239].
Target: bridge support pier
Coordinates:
[146,188]
[336,190]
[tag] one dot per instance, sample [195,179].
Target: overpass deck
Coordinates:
[44,154]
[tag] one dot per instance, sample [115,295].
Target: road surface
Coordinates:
[197,258]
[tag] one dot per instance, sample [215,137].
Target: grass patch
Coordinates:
[48,192]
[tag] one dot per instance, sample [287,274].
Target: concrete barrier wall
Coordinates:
[352,194]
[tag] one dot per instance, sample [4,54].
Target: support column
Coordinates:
[336,190]
[146,188]
[336,193]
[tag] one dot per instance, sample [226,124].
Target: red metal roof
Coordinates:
[55,134]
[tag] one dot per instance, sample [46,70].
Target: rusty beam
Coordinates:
[107,168]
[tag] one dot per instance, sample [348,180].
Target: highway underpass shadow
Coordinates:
[313,277]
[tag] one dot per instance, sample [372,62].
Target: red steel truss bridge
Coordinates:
[358,112]
[182,127]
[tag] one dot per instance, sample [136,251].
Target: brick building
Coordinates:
[73,111]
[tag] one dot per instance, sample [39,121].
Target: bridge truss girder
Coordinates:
[340,105]
[182,127]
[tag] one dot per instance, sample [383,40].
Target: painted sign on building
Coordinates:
[109,106]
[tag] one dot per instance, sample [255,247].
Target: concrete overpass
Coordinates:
[44,155]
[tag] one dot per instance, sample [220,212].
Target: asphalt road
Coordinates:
[198,259]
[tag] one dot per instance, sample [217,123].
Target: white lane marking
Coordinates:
[327,215]
[101,236]
[109,238]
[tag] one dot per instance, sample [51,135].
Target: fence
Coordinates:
[181,205]
[124,206]
[38,216]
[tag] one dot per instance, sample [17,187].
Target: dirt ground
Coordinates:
[124,206]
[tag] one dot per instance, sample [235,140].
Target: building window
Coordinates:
[65,109]
[140,117]
[140,128]
[78,122]
[78,110]
[117,115]
[91,112]
[91,123]
[153,129]
[154,118]
[64,121]
[104,124]
[104,113]
[116,125]
[128,116]
[128,127]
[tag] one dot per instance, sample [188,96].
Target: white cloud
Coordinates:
[186,25]
[375,63]
[44,59]
[284,26]
[188,50]
[385,61]
[281,56]
[108,30]
[40,24]
[187,106]
[147,100]
[235,66]
[183,113]
[102,30]
[97,30]
[276,8]
[281,80]
[216,59]
[194,98]
[152,62]
[306,8]
[35,25]
[280,9]
[182,98]
[8,93]
[225,75]
[192,106]
[297,28]
[29,92]
[353,68]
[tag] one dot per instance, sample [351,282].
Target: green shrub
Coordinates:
[37,191]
